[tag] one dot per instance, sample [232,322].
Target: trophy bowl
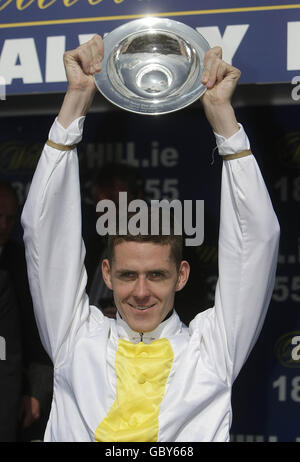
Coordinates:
[152,66]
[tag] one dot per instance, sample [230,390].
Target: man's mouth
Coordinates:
[141,307]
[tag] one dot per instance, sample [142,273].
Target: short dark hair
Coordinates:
[175,241]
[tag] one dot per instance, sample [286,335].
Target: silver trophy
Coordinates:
[152,66]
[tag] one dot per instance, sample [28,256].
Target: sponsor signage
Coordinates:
[260,38]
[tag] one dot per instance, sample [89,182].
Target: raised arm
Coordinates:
[52,214]
[249,230]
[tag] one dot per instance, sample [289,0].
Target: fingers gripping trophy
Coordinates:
[149,68]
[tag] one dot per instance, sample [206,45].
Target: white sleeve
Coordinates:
[248,249]
[55,251]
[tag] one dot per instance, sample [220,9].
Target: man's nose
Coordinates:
[141,288]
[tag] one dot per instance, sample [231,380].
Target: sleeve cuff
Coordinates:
[236,143]
[68,136]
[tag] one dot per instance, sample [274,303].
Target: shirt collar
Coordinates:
[167,328]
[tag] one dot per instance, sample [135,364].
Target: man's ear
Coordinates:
[106,273]
[183,275]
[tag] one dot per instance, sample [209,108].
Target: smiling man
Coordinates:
[145,376]
[144,276]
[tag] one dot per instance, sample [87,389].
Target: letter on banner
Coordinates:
[19,60]
[293,37]
[230,41]
[55,69]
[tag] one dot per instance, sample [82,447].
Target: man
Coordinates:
[37,379]
[144,376]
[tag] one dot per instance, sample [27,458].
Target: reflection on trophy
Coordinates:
[152,66]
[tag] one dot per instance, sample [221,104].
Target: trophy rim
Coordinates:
[111,41]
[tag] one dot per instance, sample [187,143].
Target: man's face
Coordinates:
[8,215]
[144,279]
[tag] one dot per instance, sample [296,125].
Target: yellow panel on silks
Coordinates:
[142,372]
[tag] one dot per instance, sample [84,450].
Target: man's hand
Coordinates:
[220,80]
[80,65]
[219,77]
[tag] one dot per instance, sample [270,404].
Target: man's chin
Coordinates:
[143,320]
[142,325]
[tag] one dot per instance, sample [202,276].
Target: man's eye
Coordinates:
[156,275]
[128,275]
